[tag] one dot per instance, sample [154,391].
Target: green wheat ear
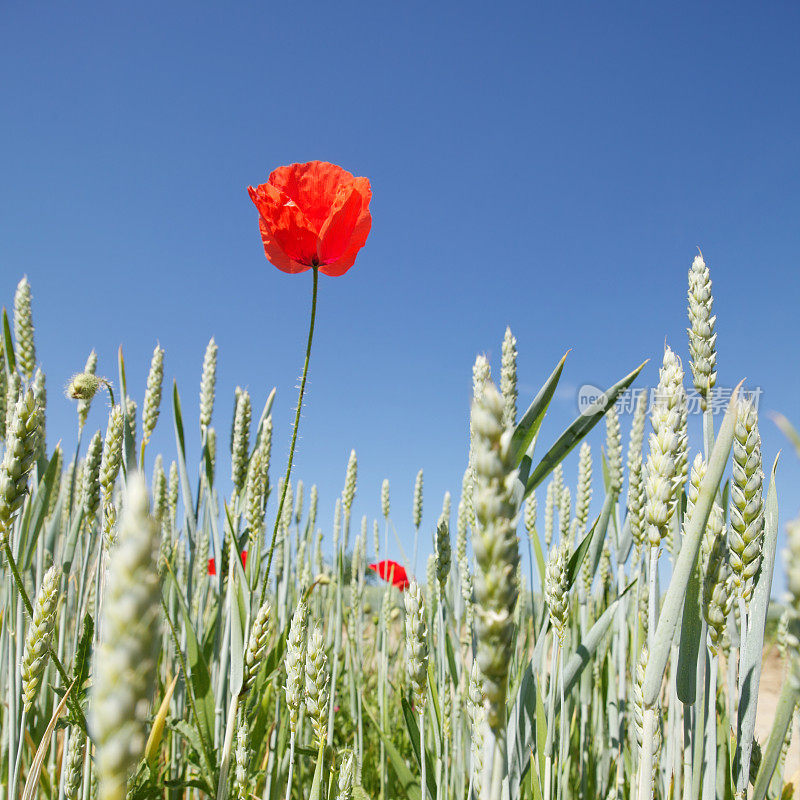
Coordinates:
[240,445]
[508,378]
[40,635]
[124,673]
[23,330]
[316,685]
[208,383]
[417,504]
[416,643]
[152,395]
[747,505]
[496,548]
[702,337]
[22,435]
[295,663]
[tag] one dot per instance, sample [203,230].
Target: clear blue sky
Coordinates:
[551,166]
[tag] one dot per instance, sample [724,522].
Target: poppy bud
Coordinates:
[83,386]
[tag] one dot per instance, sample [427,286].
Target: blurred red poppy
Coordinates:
[392,572]
[212,565]
[313,215]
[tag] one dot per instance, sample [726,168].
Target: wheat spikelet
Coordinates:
[556,587]
[294,662]
[240,442]
[702,337]
[316,685]
[747,508]
[508,378]
[256,645]
[124,670]
[40,635]
[496,549]
[417,504]
[91,383]
[90,490]
[613,451]
[152,395]
[20,451]
[416,643]
[23,329]
[208,383]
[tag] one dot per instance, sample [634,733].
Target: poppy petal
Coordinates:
[286,223]
[336,233]
[392,572]
[313,186]
[275,254]
[358,237]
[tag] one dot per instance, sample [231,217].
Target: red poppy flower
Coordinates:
[392,572]
[313,215]
[212,565]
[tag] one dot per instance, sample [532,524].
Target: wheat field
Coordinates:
[165,636]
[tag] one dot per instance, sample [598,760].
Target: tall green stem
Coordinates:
[294,429]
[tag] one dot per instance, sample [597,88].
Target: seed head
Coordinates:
[112,451]
[295,658]
[159,490]
[349,491]
[337,523]
[716,586]
[508,379]
[298,502]
[90,491]
[747,507]
[39,636]
[496,548]
[313,501]
[208,383]
[20,451]
[255,499]
[584,494]
[74,764]
[549,513]
[614,451]
[443,554]
[240,447]
[130,416]
[665,444]
[556,587]
[564,512]
[23,329]
[346,776]
[256,645]
[702,337]
[385,498]
[418,500]
[40,392]
[125,663]
[416,643]
[152,394]
[84,403]
[476,711]
[316,683]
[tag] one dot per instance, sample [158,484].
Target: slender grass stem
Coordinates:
[295,427]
